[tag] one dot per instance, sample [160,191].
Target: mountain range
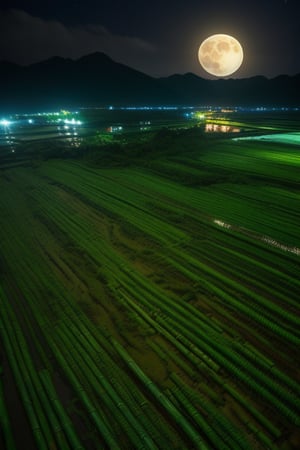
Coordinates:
[97,80]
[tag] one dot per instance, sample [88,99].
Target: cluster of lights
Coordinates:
[151,108]
[70,122]
[114,129]
[6,123]
[73,122]
[48,114]
[56,113]
[200,116]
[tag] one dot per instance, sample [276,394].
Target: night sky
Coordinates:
[158,37]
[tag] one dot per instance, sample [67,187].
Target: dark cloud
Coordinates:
[27,39]
[159,37]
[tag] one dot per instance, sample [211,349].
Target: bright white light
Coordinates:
[73,122]
[5,122]
[30,121]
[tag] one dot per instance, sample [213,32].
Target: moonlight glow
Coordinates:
[220,55]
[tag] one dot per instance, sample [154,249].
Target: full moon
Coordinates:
[220,55]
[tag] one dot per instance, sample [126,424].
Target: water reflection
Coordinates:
[217,128]
[70,132]
[7,138]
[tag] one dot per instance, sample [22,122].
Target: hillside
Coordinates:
[97,80]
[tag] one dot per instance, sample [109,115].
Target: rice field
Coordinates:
[152,305]
[285,138]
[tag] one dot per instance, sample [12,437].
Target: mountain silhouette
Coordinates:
[97,80]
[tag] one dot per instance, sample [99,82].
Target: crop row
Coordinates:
[97,364]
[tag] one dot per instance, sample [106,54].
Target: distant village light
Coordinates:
[5,123]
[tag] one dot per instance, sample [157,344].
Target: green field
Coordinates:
[149,295]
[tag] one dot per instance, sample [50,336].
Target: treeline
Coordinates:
[118,150]
[141,148]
